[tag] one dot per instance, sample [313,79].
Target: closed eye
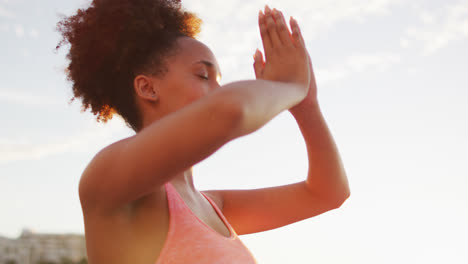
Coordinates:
[203,77]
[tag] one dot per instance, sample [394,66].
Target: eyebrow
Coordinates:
[210,65]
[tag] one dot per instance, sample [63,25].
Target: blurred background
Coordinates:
[392,85]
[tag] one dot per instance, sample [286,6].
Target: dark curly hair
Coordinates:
[112,41]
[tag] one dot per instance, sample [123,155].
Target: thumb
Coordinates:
[258,64]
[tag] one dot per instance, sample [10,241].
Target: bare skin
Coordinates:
[122,191]
[136,232]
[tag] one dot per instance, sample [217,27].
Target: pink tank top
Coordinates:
[190,240]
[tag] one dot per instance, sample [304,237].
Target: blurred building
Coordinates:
[33,248]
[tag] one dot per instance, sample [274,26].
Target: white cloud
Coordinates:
[440,28]
[240,34]
[19,31]
[321,15]
[381,61]
[4,28]
[6,13]
[404,43]
[33,33]
[318,15]
[356,64]
[93,137]
[426,17]
[28,99]
[15,151]
[26,53]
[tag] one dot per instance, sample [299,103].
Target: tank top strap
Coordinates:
[190,240]
[180,212]
[220,214]
[177,206]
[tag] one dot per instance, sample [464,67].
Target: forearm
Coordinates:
[326,175]
[260,101]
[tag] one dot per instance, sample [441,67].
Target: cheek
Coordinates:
[195,90]
[195,93]
[184,90]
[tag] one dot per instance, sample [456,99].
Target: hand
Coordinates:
[285,52]
[311,99]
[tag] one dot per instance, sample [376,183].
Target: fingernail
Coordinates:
[267,9]
[260,14]
[255,54]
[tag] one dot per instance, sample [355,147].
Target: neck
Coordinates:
[148,120]
[183,179]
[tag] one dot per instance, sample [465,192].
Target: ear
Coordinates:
[145,88]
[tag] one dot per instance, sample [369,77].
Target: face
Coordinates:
[192,73]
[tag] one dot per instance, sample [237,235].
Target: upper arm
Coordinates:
[134,167]
[257,210]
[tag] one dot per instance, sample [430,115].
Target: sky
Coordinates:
[392,86]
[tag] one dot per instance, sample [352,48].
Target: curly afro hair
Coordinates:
[111,42]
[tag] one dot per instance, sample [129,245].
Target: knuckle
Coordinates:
[297,38]
[281,27]
[283,51]
[270,24]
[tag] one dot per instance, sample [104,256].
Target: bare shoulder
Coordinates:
[114,231]
[96,174]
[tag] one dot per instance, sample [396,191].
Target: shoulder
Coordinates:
[97,173]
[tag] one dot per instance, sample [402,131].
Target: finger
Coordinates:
[258,64]
[296,33]
[283,31]
[311,68]
[267,46]
[271,27]
[284,22]
[300,33]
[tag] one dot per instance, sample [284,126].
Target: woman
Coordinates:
[139,59]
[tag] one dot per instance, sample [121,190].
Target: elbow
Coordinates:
[339,199]
[336,198]
[343,199]
[341,192]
